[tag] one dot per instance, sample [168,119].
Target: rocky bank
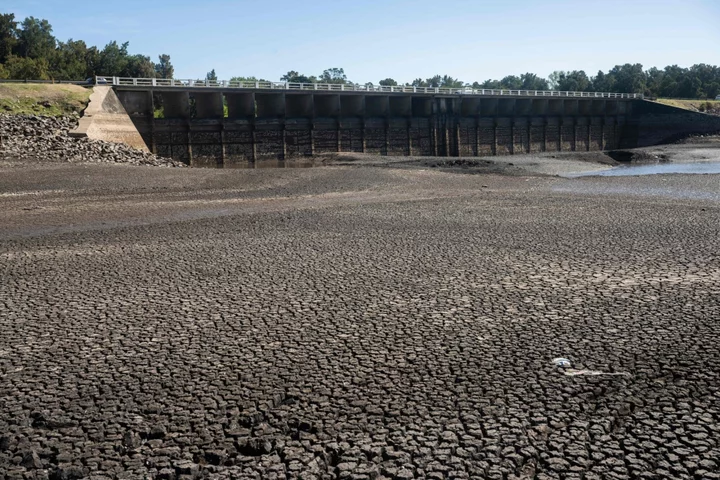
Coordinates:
[46,139]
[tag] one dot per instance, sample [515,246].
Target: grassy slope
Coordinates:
[693,105]
[42,99]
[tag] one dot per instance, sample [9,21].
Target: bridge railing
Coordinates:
[334,87]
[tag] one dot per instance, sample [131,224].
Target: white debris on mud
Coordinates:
[47,139]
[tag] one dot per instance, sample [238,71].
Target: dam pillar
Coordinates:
[377,128]
[363,134]
[495,137]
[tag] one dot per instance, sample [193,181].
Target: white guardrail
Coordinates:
[334,87]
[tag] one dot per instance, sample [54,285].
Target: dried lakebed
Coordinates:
[350,322]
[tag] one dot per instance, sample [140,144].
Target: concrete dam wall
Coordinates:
[230,127]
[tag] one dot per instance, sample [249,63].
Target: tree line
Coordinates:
[700,81]
[28,50]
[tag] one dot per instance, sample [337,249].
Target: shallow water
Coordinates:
[652,169]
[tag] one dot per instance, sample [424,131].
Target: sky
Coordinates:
[401,39]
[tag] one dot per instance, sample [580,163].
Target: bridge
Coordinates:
[163,83]
[227,123]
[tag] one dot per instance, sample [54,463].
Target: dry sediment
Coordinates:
[359,323]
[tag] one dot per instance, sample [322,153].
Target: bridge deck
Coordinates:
[161,84]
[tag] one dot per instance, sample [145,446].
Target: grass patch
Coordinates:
[43,99]
[694,105]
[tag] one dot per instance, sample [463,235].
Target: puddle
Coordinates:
[652,169]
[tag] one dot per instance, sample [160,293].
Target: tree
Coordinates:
[449,82]
[247,79]
[511,82]
[603,83]
[8,35]
[211,76]
[24,68]
[654,81]
[112,60]
[629,78]
[164,69]
[69,62]
[554,79]
[530,81]
[418,82]
[294,77]
[488,84]
[575,81]
[35,39]
[333,75]
[433,81]
[388,82]
[139,66]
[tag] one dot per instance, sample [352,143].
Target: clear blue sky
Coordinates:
[402,39]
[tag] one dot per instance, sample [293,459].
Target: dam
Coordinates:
[222,124]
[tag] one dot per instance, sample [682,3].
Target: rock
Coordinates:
[31,460]
[216,457]
[255,446]
[157,432]
[67,472]
[46,139]
[131,440]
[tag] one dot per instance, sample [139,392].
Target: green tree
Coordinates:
[575,81]
[69,61]
[654,81]
[602,82]
[488,84]
[113,60]
[8,35]
[4,72]
[247,79]
[629,78]
[294,77]
[139,66]
[554,79]
[333,75]
[24,68]
[434,81]
[449,82]
[35,39]
[164,69]
[511,82]
[388,82]
[530,81]
[211,76]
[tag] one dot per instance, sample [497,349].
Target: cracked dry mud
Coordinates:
[355,323]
